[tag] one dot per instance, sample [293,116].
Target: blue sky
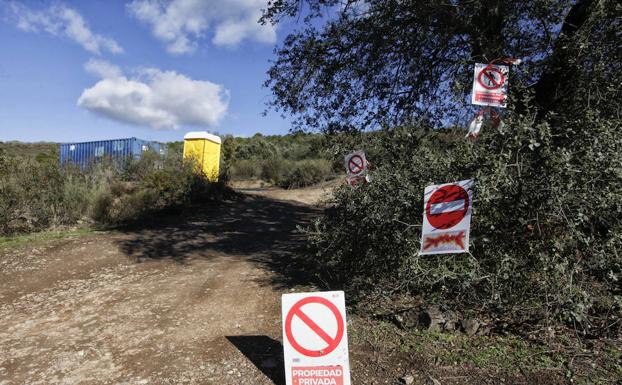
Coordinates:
[88,70]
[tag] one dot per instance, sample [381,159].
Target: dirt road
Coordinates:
[195,299]
[192,301]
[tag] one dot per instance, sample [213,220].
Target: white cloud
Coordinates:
[60,20]
[181,24]
[159,99]
[102,69]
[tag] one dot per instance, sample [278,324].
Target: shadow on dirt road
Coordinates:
[265,353]
[255,228]
[192,299]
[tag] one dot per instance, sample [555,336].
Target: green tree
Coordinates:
[229,148]
[365,64]
[547,223]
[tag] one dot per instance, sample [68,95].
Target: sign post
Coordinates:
[315,341]
[490,85]
[447,218]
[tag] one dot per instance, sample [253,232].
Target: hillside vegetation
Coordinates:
[547,214]
[289,161]
[37,194]
[40,151]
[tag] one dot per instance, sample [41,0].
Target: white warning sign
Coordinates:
[447,218]
[315,339]
[490,85]
[356,164]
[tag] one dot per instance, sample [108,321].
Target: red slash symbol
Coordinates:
[491,74]
[356,164]
[333,342]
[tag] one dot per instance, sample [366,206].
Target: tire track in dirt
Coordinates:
[193,301]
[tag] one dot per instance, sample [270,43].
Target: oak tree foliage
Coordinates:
[378,63]
[546,241]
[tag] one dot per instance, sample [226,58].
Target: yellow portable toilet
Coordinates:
[204,148]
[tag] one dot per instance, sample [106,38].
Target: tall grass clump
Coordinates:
[38,194]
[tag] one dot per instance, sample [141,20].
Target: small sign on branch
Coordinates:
[490,85]
[356,168]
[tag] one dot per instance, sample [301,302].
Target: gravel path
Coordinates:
[189,301]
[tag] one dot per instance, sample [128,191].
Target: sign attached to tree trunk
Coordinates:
[315,341]
[490,85]
[447,218]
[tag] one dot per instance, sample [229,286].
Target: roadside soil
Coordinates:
[312,195]
[193,299]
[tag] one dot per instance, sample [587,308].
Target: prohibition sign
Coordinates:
[356,167]
[491,74]
[333,342]
[446,194]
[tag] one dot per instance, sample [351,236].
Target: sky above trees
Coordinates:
[73,71]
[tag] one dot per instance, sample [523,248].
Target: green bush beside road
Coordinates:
[546,230]
[37,194]
[289,161]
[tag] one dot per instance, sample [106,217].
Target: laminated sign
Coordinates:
[356,168]
[315,339]
[447,218]
[490,85]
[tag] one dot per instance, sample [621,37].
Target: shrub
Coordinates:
[31,195]
[100,209]
[273,169]
[77,196]
[546,232]
[282,172]
[163,187]
[131,207]
[37,194]
[136,170]
[307,172]
[171,187]
[246,169]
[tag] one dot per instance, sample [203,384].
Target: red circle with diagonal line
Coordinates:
[454,203]
[491,73]
[356,164]
[333,342]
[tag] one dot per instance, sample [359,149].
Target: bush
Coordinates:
[292,160]
[282,172]
[274,169]
[546,232]
[32,195]
[100,210]
[76,199]
[246,169]
[37,194]
[149,191]
[307,172]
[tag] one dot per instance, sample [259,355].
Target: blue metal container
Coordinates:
[86,154]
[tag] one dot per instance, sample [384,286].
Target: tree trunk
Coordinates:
[487,31]
[549,88]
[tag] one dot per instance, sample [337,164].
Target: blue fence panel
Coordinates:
[84,154]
